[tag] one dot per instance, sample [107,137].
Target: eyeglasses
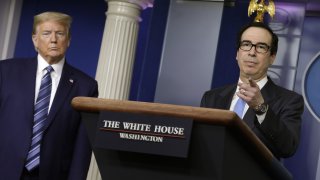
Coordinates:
[259,47]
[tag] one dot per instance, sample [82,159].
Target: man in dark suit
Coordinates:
[272,112]
[55,146]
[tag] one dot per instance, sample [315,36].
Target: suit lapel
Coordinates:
[64,88]
[249,118]
[225,97]
[269,91]
[27,84]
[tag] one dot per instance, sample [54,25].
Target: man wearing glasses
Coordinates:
[272,112]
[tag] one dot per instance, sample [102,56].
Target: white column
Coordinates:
[10,11]
[117,54]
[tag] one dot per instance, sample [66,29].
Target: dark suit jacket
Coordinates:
[280,130]
[65,148]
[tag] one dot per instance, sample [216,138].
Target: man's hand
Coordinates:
[250,93]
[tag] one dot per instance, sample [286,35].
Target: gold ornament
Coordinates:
[261,8]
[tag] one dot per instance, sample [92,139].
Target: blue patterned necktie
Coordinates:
[40,116]
[239,107]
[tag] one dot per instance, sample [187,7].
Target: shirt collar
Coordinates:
[42,64]
[262,82]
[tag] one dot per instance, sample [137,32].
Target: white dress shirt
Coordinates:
[55,76]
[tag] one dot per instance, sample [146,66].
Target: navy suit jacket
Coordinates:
[65,148]
[280,130]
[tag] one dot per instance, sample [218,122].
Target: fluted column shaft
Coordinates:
[118,49]
[117,54]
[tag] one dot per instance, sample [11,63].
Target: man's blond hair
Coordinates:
[61,18]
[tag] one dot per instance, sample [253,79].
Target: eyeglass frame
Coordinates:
[255,46]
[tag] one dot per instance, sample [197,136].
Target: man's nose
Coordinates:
[53,37]
[253,50]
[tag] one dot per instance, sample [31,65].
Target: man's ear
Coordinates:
[272,59]
[35,41]
[69,40]
[237,55]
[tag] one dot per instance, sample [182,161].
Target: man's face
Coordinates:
[252,63]
[51,40]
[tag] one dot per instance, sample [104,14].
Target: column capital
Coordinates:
[142,3]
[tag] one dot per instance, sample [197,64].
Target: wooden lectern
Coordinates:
[222,146]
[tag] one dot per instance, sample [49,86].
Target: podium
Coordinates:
[222,146]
